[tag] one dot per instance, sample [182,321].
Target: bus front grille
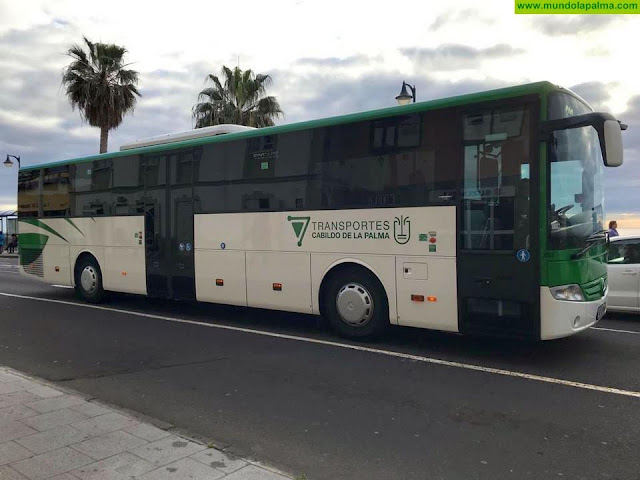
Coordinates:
[31,261]
[595,289]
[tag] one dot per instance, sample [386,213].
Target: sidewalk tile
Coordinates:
[13,430]
[52,439]
[183,469]
[43,391]
[56,418]
[121,466]
[6,377]
[17,412]
[147,432]
[16,398]
[109,444]
[55,403]
[252,472]
[102,424]
[167,450]
[8,473]
[51,464]
[218,460]
[12,452]
[25,382]
[90,409]
[11,387]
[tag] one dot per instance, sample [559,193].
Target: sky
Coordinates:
[326,58]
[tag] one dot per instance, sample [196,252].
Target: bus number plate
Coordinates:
[602,309]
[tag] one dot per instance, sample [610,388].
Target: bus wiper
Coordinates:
[593,239]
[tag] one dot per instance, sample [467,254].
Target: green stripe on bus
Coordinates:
[37,223]
[33,240]
[74,226]
[31,246]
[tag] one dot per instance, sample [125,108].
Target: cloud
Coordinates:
[454,16]
[335,62]
[557,25]
[631,136]
[454,56]
[632,114]
[597,94]
[326,95]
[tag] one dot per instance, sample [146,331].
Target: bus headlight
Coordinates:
[569,293]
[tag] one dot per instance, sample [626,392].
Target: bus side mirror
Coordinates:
[612,153]
[609,133]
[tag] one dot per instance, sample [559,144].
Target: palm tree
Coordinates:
[100,86]
[241,100]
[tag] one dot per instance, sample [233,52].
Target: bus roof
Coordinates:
[527,89]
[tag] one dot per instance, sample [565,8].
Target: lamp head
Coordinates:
[404,98]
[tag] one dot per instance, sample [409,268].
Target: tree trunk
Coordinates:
[104,137]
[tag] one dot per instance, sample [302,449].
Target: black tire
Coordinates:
[91,290]
[363,285]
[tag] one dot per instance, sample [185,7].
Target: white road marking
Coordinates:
[406,356]
[615,330]
[62,286]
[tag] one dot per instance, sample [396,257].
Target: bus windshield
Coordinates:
[576,208]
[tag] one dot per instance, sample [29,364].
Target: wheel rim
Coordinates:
[89,279]
[354,304]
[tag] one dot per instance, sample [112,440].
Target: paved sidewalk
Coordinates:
[49,434]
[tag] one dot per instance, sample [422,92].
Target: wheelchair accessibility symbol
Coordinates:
[523,255]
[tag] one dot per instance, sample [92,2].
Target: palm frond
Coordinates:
[98,85]
[237,96]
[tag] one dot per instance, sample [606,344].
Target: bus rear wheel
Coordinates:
[89,280]
[355,304]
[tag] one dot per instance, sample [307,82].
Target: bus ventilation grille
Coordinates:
[31,261]
[594,290]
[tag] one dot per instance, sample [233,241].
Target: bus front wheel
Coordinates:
[89,280]
[356,304]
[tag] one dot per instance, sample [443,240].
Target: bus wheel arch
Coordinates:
[87,278]
[354,284]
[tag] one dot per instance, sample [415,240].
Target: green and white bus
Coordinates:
[477,213]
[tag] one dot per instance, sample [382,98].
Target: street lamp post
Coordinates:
[9,163]
[404,98]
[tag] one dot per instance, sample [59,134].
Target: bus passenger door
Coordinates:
[180,221]
[154,172]
[498,264]
[168,223]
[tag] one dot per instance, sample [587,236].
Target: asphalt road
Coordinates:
[277,388]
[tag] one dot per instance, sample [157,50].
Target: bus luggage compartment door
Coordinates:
[426,292]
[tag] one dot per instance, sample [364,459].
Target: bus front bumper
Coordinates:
[562,318]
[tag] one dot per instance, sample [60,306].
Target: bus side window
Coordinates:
[55,191]
[268,173]
[29,201]
[127,192]
[399,161]
[91,188]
